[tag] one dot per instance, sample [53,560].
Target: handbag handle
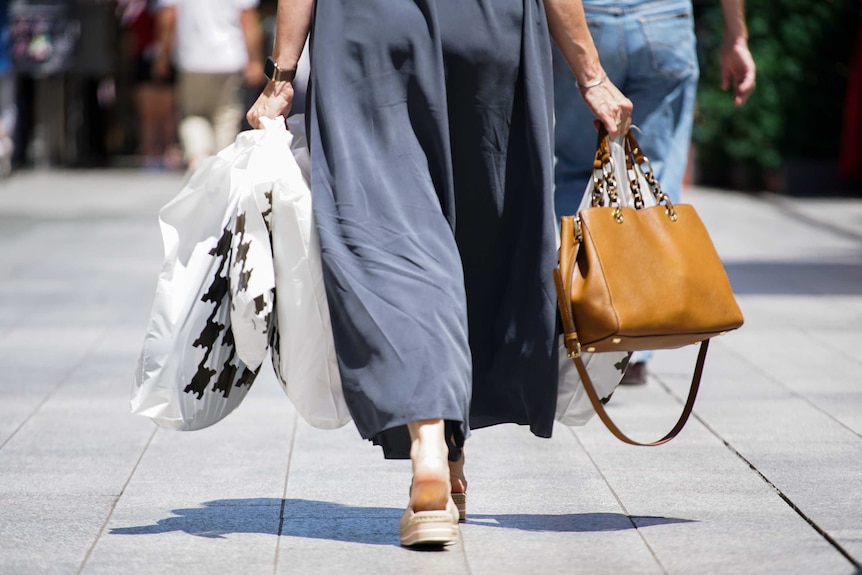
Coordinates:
[570,228]
[640,165]
[637,165]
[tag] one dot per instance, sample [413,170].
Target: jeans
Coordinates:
[648,50]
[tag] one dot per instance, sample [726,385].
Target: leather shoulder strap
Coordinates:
[683,418]
[570,244]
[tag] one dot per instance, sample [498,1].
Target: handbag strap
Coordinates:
[683,418]
[570,241]
[570,236]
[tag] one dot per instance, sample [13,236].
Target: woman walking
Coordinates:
[430,126]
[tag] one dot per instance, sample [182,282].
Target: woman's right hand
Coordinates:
[609,106]
[274,101]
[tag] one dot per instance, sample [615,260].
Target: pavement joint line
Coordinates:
[61,383]
[854,358]
[463,546]
[284,493]
[619,501]
[116,501]
[820,531]
[789,390]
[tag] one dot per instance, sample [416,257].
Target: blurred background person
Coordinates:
[155,102]
[8,107]
[216,47]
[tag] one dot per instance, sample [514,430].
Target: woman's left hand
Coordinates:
[274,101]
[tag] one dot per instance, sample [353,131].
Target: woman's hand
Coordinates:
[609,106]
[274,101]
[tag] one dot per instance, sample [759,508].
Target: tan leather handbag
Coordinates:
[639,278]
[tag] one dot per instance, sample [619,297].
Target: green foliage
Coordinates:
[802,49]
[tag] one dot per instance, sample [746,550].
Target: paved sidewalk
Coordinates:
[767,477]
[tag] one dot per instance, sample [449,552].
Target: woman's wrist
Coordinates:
[592,84]
[280,89]
[588,69]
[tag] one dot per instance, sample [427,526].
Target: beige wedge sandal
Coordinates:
[460,500]
[429,528]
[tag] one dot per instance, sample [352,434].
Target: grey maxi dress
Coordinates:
[430,125]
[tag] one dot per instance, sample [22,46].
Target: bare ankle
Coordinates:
[428,451]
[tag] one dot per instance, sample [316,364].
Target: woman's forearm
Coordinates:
[568,27]
[293,21]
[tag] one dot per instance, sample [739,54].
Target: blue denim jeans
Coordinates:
[648,50]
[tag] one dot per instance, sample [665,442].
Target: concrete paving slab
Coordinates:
[37,362]
[49,532]
[810,456]
[734,519]
[844,341]
[539,505]
[64,469]
[826,377]
[76,281]
[843,215]
[339,468]
[362,547]
[753,227]
[196,540]
[207,498]
[87,193]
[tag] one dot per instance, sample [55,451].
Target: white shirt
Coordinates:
[208,35]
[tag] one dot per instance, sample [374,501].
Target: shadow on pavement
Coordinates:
[301,518]
[367,525]
[571,522]
[795,278]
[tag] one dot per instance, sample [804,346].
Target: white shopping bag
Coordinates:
[303,352]
[255,172]
[605,369]
[212,316]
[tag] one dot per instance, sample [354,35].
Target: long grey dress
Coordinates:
[430,124]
